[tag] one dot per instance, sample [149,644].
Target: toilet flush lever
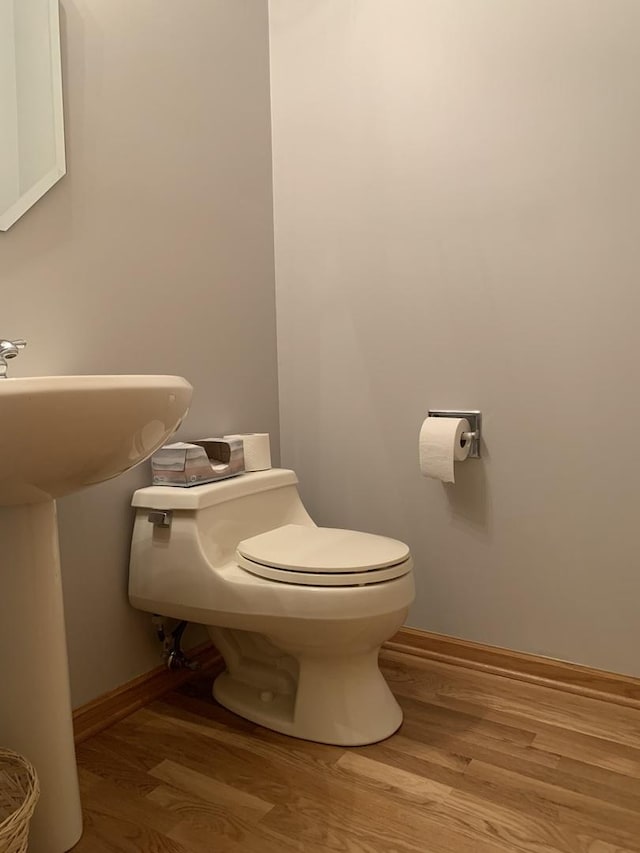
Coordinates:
[160,519]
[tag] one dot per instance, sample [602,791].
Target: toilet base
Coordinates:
[337,699]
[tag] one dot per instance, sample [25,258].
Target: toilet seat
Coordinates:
[322,556]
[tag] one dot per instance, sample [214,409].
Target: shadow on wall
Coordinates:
[468,498]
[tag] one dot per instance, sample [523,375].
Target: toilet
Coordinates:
[298,612]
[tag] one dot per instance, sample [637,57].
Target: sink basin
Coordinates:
[59,434]
[62,433]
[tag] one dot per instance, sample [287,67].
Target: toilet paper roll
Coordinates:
[441,445]
[257,450]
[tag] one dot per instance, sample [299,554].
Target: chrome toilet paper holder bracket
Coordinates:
[475,422]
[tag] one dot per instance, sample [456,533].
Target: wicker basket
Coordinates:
[19,792]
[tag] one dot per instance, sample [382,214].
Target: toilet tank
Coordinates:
[212,518]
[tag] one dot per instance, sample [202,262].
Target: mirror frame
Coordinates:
[59,169]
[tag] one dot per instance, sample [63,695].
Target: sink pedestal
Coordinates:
[35,704]
[60,434]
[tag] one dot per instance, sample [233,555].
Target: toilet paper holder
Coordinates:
[475,422]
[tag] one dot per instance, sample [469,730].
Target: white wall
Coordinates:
[457,200]
[153,255]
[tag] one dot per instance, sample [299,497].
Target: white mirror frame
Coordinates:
[56,167]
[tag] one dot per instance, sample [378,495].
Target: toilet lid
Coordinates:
[323,556]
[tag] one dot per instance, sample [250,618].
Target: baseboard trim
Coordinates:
[560,675]
[107,709]
[611,687]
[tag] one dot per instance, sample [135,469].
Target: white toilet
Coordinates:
[298,612]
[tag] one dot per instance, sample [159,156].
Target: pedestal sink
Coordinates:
[57,435]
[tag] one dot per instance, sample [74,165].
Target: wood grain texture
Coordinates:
[107,709]
[482,764]
[562,675]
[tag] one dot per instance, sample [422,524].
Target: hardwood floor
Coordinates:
[482,764]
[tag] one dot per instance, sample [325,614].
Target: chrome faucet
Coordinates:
[9,349]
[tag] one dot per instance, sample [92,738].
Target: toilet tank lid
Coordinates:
[209,494]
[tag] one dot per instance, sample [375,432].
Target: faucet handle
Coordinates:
[11,347]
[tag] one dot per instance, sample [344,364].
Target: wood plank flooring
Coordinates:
[482,764]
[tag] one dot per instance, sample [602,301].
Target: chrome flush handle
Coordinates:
[9,349]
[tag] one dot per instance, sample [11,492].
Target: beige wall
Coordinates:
[153,255]
[457,199]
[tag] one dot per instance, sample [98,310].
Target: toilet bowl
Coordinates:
[297,611]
